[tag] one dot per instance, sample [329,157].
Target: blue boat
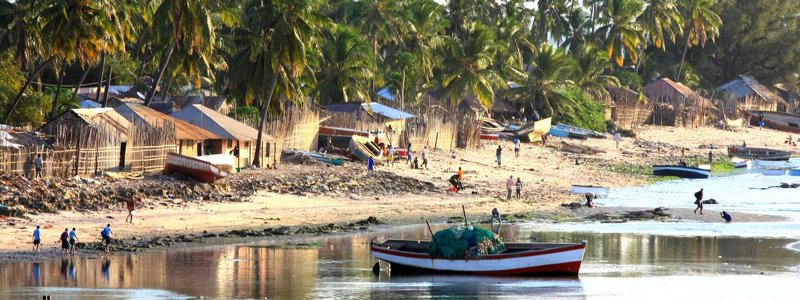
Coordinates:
[794,172]
[681,171]
[564,130]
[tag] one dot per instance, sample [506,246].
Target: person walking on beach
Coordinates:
[408,153]
[516,146]
[370,164]
[425,157]
[499,154]
[390,155]
[510,186]
[519,188]
[64,241]
[38,163]
[73,238]
[37,240]
[699,201]
[710,157]
[617,138]
[131,205]
[105,234]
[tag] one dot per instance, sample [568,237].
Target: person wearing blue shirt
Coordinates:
[73,237]
[37,240]
[371,164]
[106,235]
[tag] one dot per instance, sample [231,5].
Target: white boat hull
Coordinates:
[599,191]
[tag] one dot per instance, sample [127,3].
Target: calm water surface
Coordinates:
[616,265]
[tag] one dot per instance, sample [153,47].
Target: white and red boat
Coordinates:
[517,259]
[203,171]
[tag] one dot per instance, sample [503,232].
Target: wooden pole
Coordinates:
[433,237]
[464,210]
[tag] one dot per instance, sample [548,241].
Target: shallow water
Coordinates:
[616,265]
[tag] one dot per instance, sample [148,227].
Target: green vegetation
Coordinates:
[562,56]
[629,169]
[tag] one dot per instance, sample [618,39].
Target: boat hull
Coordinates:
[363,148]
[773,172]
[200,170]
[599,191]
[794,172]
[490,136]
[681,171]
[564,259]
[759,153]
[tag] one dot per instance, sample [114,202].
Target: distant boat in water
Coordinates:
[773,172]
[681,171]
[758,153]
[795,172]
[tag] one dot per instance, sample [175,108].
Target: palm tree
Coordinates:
[345,67]
[622,34]
[702,25]
[661,21]
[577,27]
[189,27]
[547,76]
[276,41]
[468,66]
[549,19]
[591,66]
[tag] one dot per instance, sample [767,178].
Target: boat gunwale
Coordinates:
[380,247]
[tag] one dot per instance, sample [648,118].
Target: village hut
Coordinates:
[96,138]
[504,110]
[189,138]
[171,104]
[745,93]
[379,119]
[232,135]
[677,105]
[629,109]
[789,95]
[18,149]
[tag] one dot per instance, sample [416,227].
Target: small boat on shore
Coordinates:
[564,130]
[773,172]
[758,153]
[490,136]
[681,171]
[203,171]
[534,132]
[777,120]
[363,148]
[599,191]
[794,172]
[741,164]
[517,259]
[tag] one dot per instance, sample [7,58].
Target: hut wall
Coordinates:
[680,112]
[148,146]
[631,113]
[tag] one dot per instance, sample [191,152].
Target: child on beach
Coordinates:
[499,154]
[519,188]
[130,204]
[37,240]
[617,138]
[105,234]
[73,238]
[516,147]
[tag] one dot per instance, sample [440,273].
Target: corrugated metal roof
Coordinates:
[746,86]
[183,130]
[219,124]
[100,117]
[386,111]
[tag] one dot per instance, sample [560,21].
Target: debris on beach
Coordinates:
[580,149]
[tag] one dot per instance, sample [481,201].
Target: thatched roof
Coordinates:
[665,88]
[745,86]
[183,130]
[221,125]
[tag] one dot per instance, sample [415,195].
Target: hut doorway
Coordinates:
[122,155]
[199,149]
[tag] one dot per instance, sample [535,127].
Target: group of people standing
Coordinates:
[69,239]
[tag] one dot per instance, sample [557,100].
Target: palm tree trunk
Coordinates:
[641,54]
[100,79]
[80,82]
[54,111]
[108,86]
[683,58]
[263,118]
[33,76]
[162,66]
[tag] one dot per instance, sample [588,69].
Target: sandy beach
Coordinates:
[546,172]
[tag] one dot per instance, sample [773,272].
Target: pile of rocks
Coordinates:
[50,195]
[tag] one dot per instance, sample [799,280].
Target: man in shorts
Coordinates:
[73,237]
[698,201]
[37,240]
[130,203]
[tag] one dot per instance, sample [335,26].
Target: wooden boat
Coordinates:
[741,164]
[564,130]
[773,172]
[324,158]
[517,259]
[771,164]
[363,148]
[777,120]
[342,132]
[681,171]
[599,191]
[491,126]
[534,132]
[490,136]
[758,153]
[201,170]
[794,172]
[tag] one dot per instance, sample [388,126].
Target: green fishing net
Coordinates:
[460,242]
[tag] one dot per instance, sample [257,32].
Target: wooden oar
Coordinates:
[464,210]
[433,237]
